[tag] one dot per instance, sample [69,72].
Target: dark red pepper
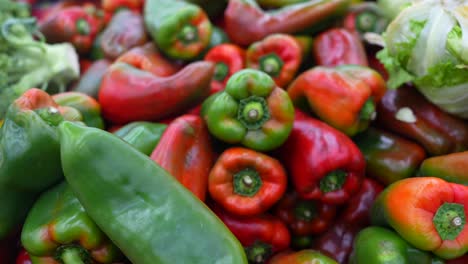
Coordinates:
[229,59]
[338,46]
[112,6]
[304,217]
[261,235]
[323,163]
[23,258]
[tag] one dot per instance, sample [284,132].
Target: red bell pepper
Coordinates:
[23,258]
[131,94]
[78,25]
[324,164]
[278,55]
[149,58]
[261,235]
[125,31]
[337,241]
[304,217]
[246,182]
[185,151]
[229,59]
[460,260]
[338,46]
[112,6]
[245,22]
[306,256]
[408,113]
[344,96]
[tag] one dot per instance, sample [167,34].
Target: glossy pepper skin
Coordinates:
[180,29]
[379,245]
[261,235]
[365,17]
[143,136]
[304,217]
[147,191]
[338,46]
[78,25]
[58,229]
[344,97]
[251,110]
[278,3]
[112,6]
[451,167]
[323,163]
[278,55]
[427,212]
[245,182]
[125,31]
[438,132]
[305,256]
[229,59]
[90,81]
[185,151]
[29,153]
[88,107]
[149,58]
[337,241]
[247,23]
[129,94]
[389,157]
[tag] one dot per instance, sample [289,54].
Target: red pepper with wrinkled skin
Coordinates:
[131,94]
[323,163]
[125,30]
[278,55]
[78,25]
[112,6]
[245,22]
[304,217]
[261,235]
[149,58]
[337,241]
[229,59]
[408,113]
[338,46]
[245,182]
[185,151]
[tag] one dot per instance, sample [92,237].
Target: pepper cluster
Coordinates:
[229,132]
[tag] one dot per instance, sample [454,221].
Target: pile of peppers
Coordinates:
[228,132]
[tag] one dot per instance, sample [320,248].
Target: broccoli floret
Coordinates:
[26,61]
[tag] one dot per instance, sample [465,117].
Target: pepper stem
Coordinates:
[188,34]
[366,21]
[72,254]
[50,115]
[82,27]
[333,181]
[368,110]
[221,71]
[271,64]
[253,112]
[247,182]
[258,252]
[305,210]
[449,220]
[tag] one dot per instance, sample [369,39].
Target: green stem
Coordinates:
[305,210]
[82,27]
[449,220]
[258,252]
[368,110]
[221,71]
[253,112]
[247,182]
[333,181]
[366,21]
[50,115]
[188,34]
[271,64]
[72,254]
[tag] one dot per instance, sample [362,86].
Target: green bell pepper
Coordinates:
[143,136]
[181,30]
[57,227]
[378,245]
[87,105]
[451,167]
[251,110]
[144,210]
[29,153]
